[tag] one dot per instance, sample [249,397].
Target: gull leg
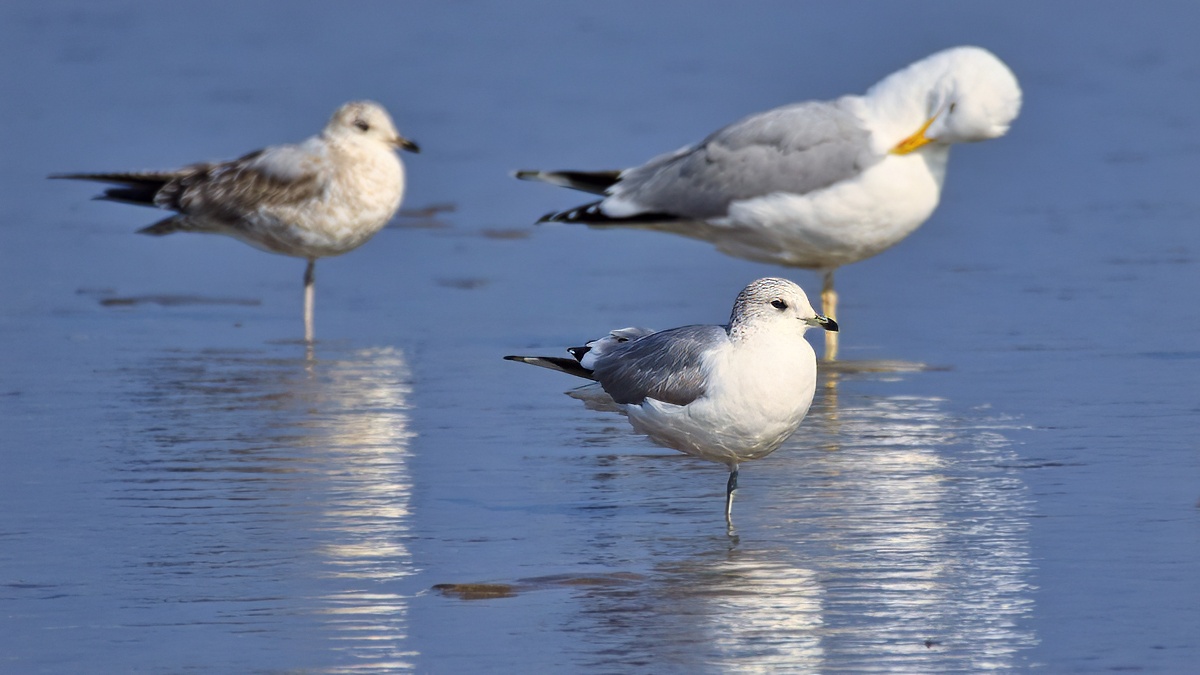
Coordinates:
[829,308]
[309,297]
[730,487]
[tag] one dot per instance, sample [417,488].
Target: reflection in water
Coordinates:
[271,493]
[929,532]
[888,535]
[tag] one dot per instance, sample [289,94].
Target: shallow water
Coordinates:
[186,487]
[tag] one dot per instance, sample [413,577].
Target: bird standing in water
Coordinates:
[321,197]
[727,394]
[818,184]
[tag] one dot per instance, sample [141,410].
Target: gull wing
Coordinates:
[667,366]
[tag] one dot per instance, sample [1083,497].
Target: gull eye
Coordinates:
[362,126]
[953,106]
[779,304]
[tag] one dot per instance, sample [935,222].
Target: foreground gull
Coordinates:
[817,184]
[727,394]
[321,197]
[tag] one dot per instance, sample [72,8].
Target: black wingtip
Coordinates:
[586,213]
[137,194]
[162,227]
[76,176]
[95,178]
[568,366]
[551,217]
[593,215]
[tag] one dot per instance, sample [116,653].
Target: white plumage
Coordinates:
[818,184]
[727,394]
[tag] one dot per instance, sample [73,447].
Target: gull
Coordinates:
[321,197]
[817,184]
[727,394]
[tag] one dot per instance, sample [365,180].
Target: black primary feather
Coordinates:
[562,365]
[590,214]
[596,182]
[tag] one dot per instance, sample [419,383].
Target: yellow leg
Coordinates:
[829,308]
[309,298]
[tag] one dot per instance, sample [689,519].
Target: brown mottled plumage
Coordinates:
[322,197]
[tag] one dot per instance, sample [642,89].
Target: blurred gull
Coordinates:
[727,394]
[321,197]
[817,184]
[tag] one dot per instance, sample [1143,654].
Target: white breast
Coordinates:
[844,223]
[756,398]
[362,195]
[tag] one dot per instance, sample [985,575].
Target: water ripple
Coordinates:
[271,494]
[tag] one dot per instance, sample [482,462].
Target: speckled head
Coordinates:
[773,303]
[367,119]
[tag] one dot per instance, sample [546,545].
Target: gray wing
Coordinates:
[665,366]
[227,191]
[595,349]
[797,149]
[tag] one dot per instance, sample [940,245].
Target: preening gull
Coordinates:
[728,394]
[817,184]
[321,197]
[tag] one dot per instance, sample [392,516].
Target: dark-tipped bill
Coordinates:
[405,144]
[824,322]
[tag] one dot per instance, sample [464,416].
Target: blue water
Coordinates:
[185,488]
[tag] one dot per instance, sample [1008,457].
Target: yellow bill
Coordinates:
[915,141]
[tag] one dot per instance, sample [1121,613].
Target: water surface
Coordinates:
[186,487]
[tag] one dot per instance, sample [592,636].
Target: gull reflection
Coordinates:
[761,612]
[893,535]
[923,527]
[280,483]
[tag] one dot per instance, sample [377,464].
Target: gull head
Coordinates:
[969,95]
[367,119]
[774,304]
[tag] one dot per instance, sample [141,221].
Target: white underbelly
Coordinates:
[741,417]
[844,223]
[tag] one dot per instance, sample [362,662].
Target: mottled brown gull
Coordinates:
[321,197]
